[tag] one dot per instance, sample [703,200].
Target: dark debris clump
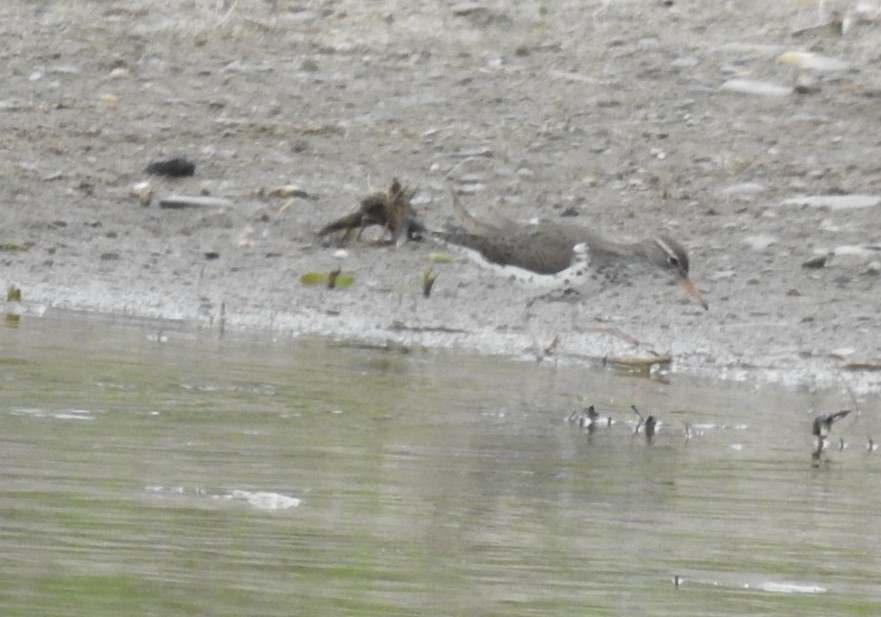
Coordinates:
[390,209]
[174,168]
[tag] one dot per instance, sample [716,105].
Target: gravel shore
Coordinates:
[740,129]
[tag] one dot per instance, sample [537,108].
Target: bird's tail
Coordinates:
[470,222]
[482,227]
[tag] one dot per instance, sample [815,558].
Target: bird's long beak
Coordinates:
[693,291]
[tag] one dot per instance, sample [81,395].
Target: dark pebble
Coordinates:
[815,263]
[175,168]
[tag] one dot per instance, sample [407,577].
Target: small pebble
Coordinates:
[834,202]
[754,86]
[814,62]
[760,242]
[815,262]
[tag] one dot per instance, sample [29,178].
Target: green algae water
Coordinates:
[151,469]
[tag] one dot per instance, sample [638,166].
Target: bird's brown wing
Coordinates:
[521,247]
[545,247]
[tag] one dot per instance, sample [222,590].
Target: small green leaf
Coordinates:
[343,279]
[14,246]
[314,278]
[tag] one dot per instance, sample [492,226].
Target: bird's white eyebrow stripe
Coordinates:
[666,248]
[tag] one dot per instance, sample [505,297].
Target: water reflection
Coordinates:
[186,474]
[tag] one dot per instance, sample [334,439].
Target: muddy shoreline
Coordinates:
[616,118]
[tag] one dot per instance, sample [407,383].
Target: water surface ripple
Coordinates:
[161,471]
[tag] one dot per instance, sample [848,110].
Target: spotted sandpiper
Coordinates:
[821,427]
[589,419]
[823,423]
[648,424]
[544,253]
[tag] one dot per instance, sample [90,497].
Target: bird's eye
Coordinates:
[673,261]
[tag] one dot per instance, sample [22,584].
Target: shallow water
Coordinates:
[157,470]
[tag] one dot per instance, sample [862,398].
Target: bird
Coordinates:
[823,423]
[589,419]
[821,428]
[584,417]
[544,254]
[648,424]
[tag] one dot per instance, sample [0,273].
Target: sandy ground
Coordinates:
[618,115]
